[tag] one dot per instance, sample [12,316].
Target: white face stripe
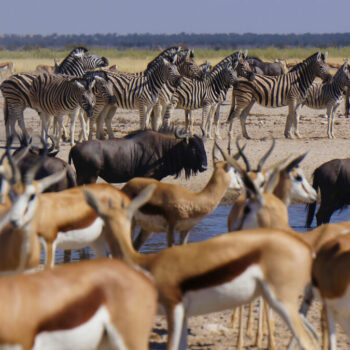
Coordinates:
[301,190]
[236,181]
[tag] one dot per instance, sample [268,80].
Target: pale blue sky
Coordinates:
[164,16]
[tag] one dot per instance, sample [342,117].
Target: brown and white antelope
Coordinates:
[225,271]
[174,208]
[269,209]
[89,305]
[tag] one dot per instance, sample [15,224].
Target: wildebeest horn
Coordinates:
[240,151]
[263,159]
[30,175]
[16,174]
[181,136]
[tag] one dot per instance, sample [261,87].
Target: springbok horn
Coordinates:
[240,151]
[16,174]
[30,175]
[229,159]
[263,159]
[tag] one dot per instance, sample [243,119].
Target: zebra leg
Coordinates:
[168,113]
[243,118]
[100,121]
[83,124]
[156,116]
[73,116]
[217,123]
[209,122]
[290,120]
[59,125]
[145,112]
[296,121]
[92,121]
[205,114]
[108,121]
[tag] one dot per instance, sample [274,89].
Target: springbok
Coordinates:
[288,184]
[224,271]
[88,305]
[174,208]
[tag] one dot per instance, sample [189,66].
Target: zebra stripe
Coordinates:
[15,89]
[287,89]
[329,95]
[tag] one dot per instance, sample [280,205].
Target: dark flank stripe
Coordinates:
[74,314]
[221,274]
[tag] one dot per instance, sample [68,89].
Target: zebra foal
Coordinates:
[329,95]
[288,89]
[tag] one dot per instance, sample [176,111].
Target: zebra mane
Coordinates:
[228,59]
[254,58]
[303,63]
[167,53]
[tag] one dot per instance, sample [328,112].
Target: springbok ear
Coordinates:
[295,162]
[140,199]
[93,202]
[47,181]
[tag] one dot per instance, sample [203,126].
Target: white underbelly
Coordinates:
[80,238]
[87,336]
[237,292]
[340,307]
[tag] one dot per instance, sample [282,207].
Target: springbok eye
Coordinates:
[299,178]
[32,196]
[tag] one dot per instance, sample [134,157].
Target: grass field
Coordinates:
[136,60]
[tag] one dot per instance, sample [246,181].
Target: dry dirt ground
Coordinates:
[212,331]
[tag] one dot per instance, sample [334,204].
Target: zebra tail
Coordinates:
[312,206]
[347,105]
[6,112]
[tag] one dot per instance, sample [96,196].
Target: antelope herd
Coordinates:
[111,302]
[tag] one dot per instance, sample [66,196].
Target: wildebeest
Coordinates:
[143,153]
[49,164]
[333,180]
[266,68]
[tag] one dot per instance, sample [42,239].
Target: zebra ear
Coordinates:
[245,54]
[79,84]
[234,66]
[92,84]
[239,55]
[325,55]
[319,56]
[78,54]
[192,53]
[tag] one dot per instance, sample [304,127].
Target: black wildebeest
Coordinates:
[266,68]
[140,154]
[49,164]
[333,180]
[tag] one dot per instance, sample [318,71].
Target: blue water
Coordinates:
[216,223]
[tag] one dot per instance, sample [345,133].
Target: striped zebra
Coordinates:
[208,93]
[139,91]
[329,95]
[15,89]
[57,95]
[285,90]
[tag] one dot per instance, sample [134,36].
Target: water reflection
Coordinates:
[216,223]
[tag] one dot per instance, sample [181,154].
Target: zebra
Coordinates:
[208,93]
[193,94]
[15,89]
[284,90]
[139,91]
[329,95]
[58,95]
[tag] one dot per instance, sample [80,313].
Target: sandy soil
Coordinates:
[213,331]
